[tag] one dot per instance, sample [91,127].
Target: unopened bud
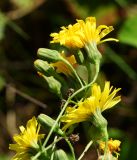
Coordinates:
[49,55]
[47,122]
[44,67]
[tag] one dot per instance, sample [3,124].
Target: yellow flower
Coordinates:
[26,140]
[82,33]
[61,67]
[113,146]
[97,102]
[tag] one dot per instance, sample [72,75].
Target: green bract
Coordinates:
[44,67]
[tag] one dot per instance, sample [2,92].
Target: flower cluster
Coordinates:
[97,102]
[87,101]
[113,147]
[82,33]
[27,140]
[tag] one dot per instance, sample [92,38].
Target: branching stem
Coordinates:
[68,101]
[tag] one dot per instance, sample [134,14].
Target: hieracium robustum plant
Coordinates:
[85,100]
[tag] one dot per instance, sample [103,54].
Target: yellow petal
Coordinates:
[109,39]
[81,33]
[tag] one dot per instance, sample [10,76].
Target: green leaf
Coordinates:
[128,32]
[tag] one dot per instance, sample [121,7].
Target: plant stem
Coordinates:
[105,151]
[85,150]
[69,99]
[36,156]
[45,149]
[71,148]
[51,130]
[53,147]
[73,70]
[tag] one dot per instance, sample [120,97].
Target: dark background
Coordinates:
[25,26]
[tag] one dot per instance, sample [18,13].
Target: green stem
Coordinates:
[67,102]
[85,150]
[59,116]
[73,70]
[71,148]
[90,70]
[92,79]
[105,139]
[73,102]
[53,147]
[97,65]
[36,156]
[105,150]
[45,149]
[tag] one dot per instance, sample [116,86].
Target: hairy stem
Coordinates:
[71,148]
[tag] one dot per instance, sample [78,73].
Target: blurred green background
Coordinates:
[25,26]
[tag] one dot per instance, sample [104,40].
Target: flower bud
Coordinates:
[53,85]
[46,70]
[44,67]
[49,55]
[47,122]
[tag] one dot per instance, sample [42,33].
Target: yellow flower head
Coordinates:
[113,146]
[98,101]
[26,140]
[61,67]
[82,33]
